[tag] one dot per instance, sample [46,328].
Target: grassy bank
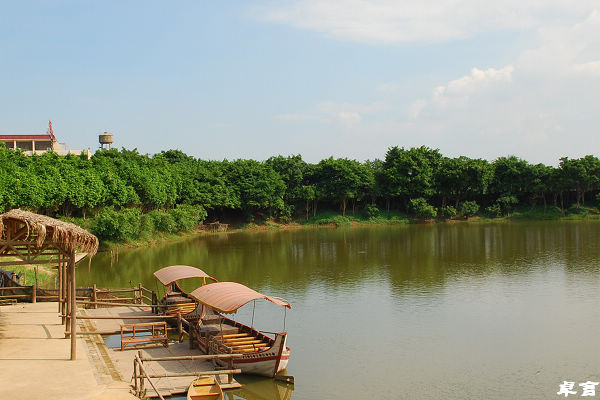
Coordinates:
[45,275]
[151,229]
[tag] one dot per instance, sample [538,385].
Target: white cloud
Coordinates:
[540,107]
[402,21]
[458,91]
[540,104]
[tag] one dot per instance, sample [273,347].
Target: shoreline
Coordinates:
[347,222]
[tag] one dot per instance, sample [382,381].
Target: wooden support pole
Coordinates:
[135,377]
[191,336]
[154,302]
[60,294]
[230,366]
[35,286]
[179,327]
[73,305]
[65,290]
[95,295]
[140,299]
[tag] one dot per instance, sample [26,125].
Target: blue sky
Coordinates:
[342,78]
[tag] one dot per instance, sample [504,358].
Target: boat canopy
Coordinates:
[174,273]
[228,297]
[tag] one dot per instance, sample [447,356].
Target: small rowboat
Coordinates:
[205,388]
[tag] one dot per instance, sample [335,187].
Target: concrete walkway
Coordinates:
[35,360]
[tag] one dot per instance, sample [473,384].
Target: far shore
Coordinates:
[335,221]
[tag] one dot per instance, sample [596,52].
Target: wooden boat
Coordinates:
[175,299]
[205,388]
[260,354]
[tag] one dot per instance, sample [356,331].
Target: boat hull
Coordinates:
[265,361]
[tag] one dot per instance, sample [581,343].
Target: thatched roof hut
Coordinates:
[65,235]
[26,238]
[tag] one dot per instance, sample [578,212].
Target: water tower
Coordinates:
[105,138]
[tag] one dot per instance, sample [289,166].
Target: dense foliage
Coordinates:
[123,195]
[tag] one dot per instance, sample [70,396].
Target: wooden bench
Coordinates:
[158,329]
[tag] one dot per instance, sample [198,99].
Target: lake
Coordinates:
[452,311]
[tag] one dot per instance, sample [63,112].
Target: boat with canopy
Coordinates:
[260,354]
[175,299]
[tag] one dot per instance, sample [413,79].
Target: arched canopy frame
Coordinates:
[228,297]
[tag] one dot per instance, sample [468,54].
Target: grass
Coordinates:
[28,275]
[335,219]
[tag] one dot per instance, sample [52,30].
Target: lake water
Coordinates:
[446,311]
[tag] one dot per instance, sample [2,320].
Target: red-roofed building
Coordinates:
[38,144]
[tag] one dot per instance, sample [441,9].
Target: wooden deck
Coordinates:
[116,362]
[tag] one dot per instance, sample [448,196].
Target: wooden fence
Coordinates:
[92,297]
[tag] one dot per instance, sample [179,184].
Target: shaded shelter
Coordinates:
[29,238]
[228,297]
[173,273]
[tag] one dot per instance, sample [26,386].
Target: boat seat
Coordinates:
[238,343]
[249,346]
[232,335]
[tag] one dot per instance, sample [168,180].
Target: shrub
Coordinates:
[447,212]
[117,226]
[494,210]
[507,204]
[469,208]
[163,221]
[372,211]
[186,217]
[422,209]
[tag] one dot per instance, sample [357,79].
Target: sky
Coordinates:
[341,78]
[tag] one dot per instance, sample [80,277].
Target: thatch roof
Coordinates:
[66,235]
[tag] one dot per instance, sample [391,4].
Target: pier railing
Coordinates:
[140,374]
[91,297]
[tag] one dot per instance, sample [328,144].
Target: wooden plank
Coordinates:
[179,374]
[192,358]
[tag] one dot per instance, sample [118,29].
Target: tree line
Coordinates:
[126,193]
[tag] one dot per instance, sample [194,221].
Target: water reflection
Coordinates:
[422,311]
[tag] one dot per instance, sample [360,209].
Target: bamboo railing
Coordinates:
[140,375]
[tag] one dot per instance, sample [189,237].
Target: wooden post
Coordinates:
[33,293]
[135,376]
[64,291]
[94,296]
[67,301]
[140,298]
[179,327]
[192,335]
[73,305]
[154,302]
[142,372]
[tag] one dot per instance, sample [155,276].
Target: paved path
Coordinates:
[35,359]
